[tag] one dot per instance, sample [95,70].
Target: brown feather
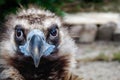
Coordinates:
[53,67]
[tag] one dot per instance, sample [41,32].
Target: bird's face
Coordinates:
[33,35]
[34,43]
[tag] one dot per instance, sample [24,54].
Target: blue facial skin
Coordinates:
[48,49]
[36,46]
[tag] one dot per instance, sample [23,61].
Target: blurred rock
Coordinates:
[116,35]
[88,33]
[105,31]
[91,18]
[75,31]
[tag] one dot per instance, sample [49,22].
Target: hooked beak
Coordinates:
[36,46]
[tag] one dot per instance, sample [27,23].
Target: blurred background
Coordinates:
[95,27]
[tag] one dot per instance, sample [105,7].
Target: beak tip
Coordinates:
[36,62]
[36,65]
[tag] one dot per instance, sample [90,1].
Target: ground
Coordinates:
[100,70]
[97,61]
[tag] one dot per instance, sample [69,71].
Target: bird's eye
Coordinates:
[53,35]
[53,31]
[19,34]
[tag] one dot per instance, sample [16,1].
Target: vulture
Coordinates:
[35,46]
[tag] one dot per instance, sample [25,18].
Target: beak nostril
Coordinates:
[43,38]
[28,39]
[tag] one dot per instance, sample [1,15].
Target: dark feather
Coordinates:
[50,68]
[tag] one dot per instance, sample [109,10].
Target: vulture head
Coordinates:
[34,42]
